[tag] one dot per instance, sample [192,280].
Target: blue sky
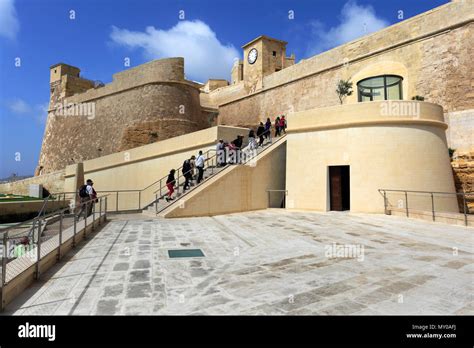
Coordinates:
[105,32]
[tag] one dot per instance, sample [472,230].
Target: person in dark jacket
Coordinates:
[268,129]
[170,185]
[277,127]
[260,133]
[237,147]
[188,171]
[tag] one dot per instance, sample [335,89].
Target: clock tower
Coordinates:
[263,56]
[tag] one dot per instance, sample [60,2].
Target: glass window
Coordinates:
[386,87]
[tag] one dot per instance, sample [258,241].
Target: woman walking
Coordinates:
[170,185]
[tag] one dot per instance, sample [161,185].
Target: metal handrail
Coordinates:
[228,165]
[183,174]
[59,211]
[431,193]
[5,256]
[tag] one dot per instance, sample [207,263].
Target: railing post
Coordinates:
[385,202]
[4,269]
[464,206]
[116,202]
[406,202]
[38,250]
[139,199]
[93,216]
[268,198]
[432,206]
[105,209]
[85,222]
[156,202]
[74,233]
[100,209]
[60,235]
[161,195]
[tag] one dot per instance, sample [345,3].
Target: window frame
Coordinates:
[385,86]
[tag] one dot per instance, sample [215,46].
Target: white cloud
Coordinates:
[9,24]
[19,106]
[355,21]
[38,113]
[204,55]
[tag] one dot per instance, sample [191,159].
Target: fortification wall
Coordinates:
[142,105]
[53,182]
[432,52]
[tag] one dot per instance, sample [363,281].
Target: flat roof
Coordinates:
[264,37]
[57,64]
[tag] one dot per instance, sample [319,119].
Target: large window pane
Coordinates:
[393,92]
[386,87]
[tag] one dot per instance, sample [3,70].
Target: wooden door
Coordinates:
[335,187]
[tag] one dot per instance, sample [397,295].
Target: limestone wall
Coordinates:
[383,152]
[53,182]
[142,105]
[432,52]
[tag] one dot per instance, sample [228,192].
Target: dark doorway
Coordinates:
[339,188]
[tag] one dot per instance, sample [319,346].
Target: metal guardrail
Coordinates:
[35,246]
[431,195]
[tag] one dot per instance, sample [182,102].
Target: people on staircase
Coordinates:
[188,172]
[237,146]
[282,124]
[260,134]
[277,127]
[200,166]
[268,129]
[252,141]
[170,185]
[220,153]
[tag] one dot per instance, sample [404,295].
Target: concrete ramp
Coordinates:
[237,188]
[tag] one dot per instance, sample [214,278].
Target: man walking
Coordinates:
[88,197]
[200,166]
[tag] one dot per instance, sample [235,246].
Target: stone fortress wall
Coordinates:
[141,105]
[432,52]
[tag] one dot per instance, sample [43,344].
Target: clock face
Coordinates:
[253,54]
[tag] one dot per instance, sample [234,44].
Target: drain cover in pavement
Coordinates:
[185,253]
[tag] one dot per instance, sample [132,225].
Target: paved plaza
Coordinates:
[265,262]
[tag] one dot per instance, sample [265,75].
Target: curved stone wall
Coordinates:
[122,120]
[383,152]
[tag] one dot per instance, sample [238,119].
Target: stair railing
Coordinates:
[213,158]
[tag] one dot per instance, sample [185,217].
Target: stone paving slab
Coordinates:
[270,262]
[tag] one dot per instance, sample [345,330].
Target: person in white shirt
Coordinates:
[200,166]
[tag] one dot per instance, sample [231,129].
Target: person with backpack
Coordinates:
[170,185]
[88,196]
[188,172]
[200,166]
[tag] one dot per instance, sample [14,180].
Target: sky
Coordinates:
[100,36]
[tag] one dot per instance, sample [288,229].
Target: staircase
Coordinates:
[211,170]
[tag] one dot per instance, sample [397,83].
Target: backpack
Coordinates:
[83,191]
